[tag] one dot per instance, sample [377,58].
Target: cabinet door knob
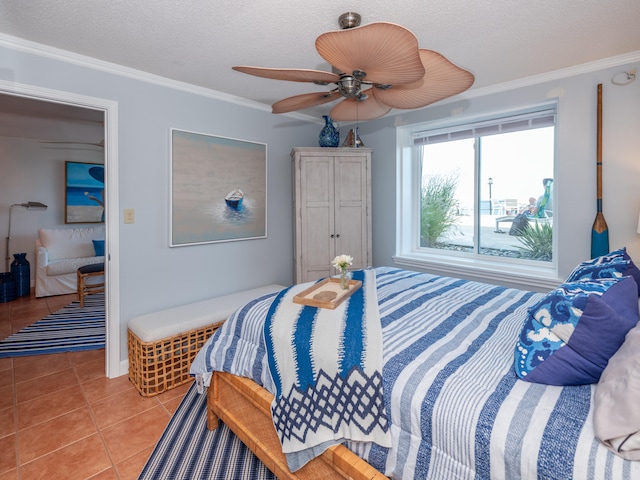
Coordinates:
[338,235]
[332,235]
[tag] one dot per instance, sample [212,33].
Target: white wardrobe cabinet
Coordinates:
[332,209]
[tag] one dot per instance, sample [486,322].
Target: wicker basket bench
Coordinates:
[162,344]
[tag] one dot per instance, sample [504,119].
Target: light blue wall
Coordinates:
[152,275]
[576,159]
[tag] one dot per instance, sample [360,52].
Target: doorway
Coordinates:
[109,109]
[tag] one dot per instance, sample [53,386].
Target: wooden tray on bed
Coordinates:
[245,407]
[327,293]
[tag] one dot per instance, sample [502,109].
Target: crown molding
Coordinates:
[554,75]
[47,51]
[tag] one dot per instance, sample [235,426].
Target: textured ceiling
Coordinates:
[198,42]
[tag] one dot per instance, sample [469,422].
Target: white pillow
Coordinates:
[616,416]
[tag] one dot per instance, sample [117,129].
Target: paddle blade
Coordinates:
[442,80]
[386,52]
[599,237]
[291,74]
[306,100]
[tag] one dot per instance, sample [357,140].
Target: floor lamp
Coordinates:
[28,206]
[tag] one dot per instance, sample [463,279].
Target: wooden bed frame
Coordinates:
[245,407]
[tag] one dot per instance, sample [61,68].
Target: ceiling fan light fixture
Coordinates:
[349,20]
[349,86]
[350,109]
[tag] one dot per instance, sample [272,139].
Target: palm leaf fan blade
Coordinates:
[306,100]
[290,74]
[442,79]
[351,109]
[386,52]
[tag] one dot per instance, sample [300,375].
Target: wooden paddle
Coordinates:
[599,231]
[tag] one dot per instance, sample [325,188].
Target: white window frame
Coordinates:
[515,272]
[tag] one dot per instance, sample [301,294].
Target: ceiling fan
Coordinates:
[379,67]
[99,144]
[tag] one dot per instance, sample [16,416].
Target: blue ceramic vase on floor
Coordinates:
[20,270]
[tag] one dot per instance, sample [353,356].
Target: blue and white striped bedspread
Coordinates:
[457,408]
[327,369]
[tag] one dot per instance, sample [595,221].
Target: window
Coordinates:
[480,192]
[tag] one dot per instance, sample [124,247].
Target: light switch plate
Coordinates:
[129,215]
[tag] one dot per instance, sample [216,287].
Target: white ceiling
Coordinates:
[198,42]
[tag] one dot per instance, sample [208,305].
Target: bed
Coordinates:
[457,408]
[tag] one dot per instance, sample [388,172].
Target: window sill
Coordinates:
[525,277]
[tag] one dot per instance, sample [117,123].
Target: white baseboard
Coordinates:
[123,369]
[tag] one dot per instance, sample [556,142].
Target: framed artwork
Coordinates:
[218,189]
[84,193]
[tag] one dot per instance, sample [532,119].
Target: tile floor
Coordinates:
[61,418]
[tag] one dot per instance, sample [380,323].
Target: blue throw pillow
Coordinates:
[569,335]
[98,246]
[615,264]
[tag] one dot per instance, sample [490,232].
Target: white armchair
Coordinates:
[59,254]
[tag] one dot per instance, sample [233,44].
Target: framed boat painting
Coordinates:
[84,192]
[218,189]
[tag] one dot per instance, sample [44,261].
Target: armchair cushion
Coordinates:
[70,242]
[70,265]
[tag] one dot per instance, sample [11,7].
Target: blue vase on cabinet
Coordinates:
[20,270]
[329,135]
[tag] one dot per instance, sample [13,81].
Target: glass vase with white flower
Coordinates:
[341,262]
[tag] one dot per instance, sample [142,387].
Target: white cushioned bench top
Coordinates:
[167,323]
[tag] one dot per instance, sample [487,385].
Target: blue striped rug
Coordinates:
[69,329]
[188,450]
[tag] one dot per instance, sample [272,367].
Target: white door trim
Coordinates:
[114,367]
